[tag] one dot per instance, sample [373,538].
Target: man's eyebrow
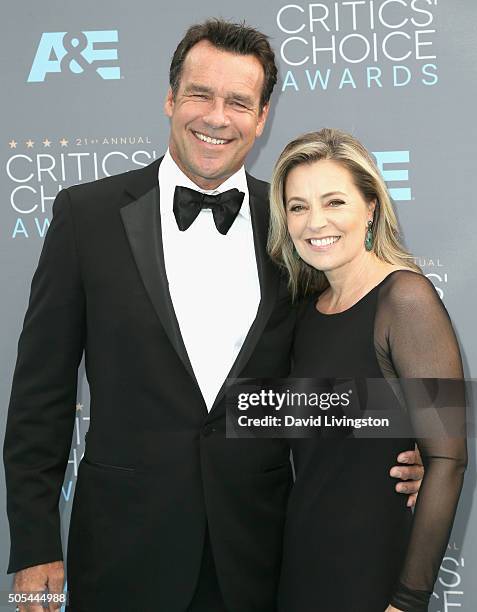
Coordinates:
[196,87]
[232,95]
[247,100]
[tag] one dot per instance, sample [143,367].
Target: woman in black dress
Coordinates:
[368,313]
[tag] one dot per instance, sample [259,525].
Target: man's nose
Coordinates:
[216,115]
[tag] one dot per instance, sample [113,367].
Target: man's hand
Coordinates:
[411,471]
[35,579]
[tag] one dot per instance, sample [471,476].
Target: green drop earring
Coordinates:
[369,239]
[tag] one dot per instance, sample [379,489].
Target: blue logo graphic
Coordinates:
[76,52]
[383,158]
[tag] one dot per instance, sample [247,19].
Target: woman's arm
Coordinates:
[425,355]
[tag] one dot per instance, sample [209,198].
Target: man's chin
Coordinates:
[209,171]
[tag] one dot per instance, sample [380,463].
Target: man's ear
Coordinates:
[169,103]
[262,118]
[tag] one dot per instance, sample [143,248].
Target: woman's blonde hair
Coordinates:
[341,147]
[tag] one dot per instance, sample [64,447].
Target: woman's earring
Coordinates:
[368,241]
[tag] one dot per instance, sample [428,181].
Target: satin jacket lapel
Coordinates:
[268,278]
[142,222]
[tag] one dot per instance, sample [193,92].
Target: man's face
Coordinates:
[215,116]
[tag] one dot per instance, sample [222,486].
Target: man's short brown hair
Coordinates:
[227,36]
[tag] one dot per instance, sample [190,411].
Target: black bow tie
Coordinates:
[225,207]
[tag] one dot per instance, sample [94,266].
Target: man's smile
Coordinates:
[209,139]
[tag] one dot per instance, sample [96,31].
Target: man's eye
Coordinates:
[238,104]
[200,96]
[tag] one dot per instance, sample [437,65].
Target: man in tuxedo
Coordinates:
[160,275]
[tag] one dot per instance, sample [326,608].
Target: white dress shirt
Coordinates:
[213,279]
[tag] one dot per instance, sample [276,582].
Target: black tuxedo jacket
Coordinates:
[157,466]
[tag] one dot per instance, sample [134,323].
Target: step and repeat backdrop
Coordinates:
[82,98]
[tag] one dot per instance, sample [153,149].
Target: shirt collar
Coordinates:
[175,176]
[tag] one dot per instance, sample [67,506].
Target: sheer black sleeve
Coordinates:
[415,341]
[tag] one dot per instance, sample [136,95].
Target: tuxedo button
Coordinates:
[209,430]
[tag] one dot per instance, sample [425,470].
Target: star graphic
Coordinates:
[46,143]
[29,143]
[13,144]
[79,407]
[63,142]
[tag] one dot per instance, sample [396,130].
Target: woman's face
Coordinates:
[327,216]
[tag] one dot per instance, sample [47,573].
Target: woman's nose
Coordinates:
[317,218]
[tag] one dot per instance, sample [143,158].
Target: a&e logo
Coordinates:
[383,159]
[77,52]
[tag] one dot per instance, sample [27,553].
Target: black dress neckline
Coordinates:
[361,299]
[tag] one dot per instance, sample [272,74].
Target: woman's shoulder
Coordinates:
[407,289]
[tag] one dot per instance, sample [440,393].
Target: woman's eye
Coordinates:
[296,207]
[335,203]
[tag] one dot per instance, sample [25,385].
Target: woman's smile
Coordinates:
[322,244]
